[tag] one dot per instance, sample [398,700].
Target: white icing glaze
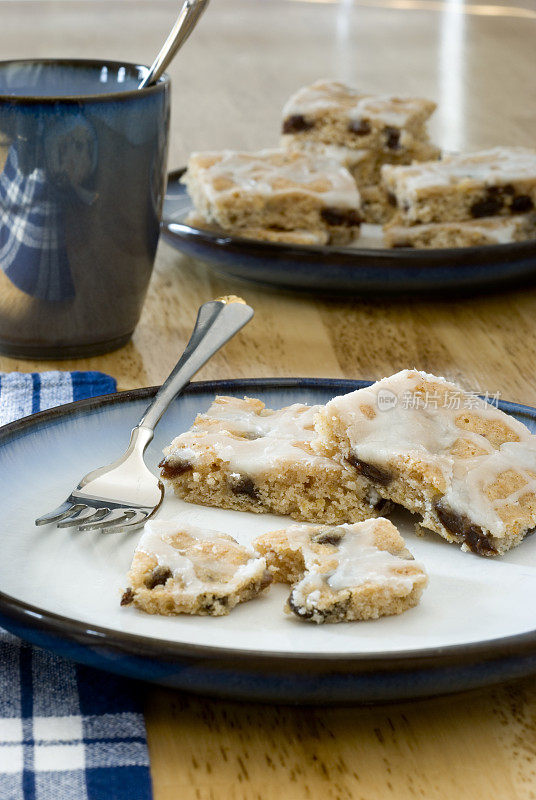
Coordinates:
[325,95]
[397,112]
[222,432]
[466,493]
[494,167]
[157,541]
[427,432]
[322,95]
[360,561]
[276,173]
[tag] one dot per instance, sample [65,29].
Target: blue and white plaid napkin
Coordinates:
[33,252]
[67,732]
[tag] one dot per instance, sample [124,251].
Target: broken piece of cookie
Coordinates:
[344,572]
[179,568]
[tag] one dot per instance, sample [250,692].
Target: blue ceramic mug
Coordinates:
[83,168]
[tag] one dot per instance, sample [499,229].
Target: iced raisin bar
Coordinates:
[179,568]
[241,455]
[466,467]
[337,114]
[344,572]
[500,181]
[363,164]
[274,189]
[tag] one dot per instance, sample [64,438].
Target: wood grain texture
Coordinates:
[471,746]
[228,86]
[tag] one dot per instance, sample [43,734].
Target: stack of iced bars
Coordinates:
[463,200]
[362,132]
[348,157]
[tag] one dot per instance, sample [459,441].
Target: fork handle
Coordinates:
[217,321]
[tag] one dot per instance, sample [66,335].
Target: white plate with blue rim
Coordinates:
[365,268]
[61,589]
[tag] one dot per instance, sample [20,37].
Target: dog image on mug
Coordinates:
[83,158]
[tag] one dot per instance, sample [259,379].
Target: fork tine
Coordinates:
[113,518]
[80,518]
[135,521]
[59,513]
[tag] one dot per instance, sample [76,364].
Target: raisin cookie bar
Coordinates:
[243,456]
[467,468]
[337,114]
[345,572]
[179,568]
[500,181]
[278,189]
[474,233]
[272,235]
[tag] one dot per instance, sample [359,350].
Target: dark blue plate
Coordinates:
[61,589]
[349,271]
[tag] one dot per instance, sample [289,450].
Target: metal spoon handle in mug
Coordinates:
[186,21]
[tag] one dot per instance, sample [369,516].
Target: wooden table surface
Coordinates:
[477,61]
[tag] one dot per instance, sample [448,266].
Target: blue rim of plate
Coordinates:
[336,270]
[520,645]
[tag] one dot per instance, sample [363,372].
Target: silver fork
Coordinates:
[125,493]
